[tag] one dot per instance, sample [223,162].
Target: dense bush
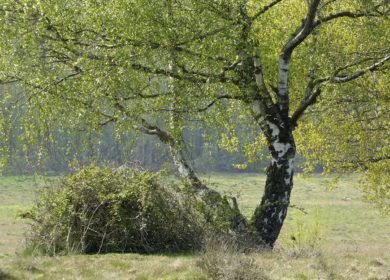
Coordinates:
[114,210]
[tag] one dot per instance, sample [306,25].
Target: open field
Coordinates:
[336,237]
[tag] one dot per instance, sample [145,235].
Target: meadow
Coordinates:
[328,234]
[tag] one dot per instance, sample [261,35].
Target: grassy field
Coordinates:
[329,234]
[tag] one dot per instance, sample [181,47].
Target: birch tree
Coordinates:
[284,67]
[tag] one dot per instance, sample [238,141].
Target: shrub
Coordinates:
[114,210]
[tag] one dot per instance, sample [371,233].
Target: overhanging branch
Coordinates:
[349,14]
[357,74]
[314,88]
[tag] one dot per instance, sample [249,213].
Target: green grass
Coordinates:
[341,237]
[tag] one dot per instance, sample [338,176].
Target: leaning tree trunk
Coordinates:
[270,214]
[214,199]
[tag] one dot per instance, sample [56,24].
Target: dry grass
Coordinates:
[229,264]
[11,237]
[17,194]
[110,266]
[226,260]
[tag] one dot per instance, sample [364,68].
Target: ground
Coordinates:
[329,234]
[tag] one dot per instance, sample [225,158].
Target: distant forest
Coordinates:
[105,148]
[71,149]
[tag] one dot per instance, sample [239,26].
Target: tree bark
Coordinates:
[270,214]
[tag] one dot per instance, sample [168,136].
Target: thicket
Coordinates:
[100,210]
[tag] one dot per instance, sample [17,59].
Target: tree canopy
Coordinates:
[307,76]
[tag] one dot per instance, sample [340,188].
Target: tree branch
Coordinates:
[221,77]
[339,15]
[205,108]
[146,69]
[201,36]
[357,74]
[310,100]
[264,9]
[311,94]
[302,32]
[347,14]
[10,80]
[259,77]
[214,101]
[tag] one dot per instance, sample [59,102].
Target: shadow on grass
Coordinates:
[6,276]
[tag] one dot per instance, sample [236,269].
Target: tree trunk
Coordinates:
[213,198]
[270,214]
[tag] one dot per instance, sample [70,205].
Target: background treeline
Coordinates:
[59,150]
[68,148]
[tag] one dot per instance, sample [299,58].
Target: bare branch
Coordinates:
[149,129]
[208,106]
[326,4]
[360,62]
[221,77]
[146,96]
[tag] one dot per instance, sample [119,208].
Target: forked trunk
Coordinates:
[270,214]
